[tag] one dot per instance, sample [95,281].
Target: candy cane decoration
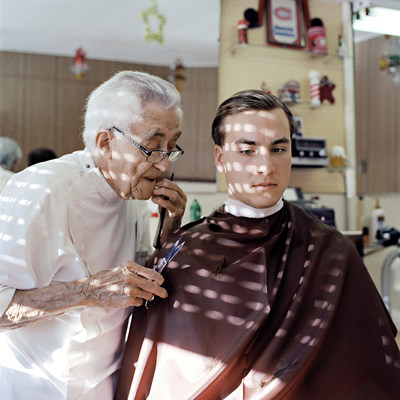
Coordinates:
[314,88]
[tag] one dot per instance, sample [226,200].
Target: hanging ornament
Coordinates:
[337,157]
[317,44]
[342,48]
[242,28]
[289,92]
[265,88]
[390,59]
[150,35]
[80,68]
[178,74]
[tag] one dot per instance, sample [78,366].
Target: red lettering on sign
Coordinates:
[283,13]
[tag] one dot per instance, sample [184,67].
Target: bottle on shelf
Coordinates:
[195,210]
[377,221]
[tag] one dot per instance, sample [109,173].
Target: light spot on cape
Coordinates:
[305,339]
[230,299]
[254,305]
[211,294]
[330,288]
[254,267]
[321,304]
[239,229]
[228,243]
[235,320]
[280,332]
[213,314]
[192,289]
[316,322]
[203,273]
[190,308]
[251,285]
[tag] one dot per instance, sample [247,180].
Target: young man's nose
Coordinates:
[265,164]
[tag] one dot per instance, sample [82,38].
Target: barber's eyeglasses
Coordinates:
[154,156]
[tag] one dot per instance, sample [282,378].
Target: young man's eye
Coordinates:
[279,149]
[246,152]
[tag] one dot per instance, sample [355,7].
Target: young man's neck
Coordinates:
[239,209]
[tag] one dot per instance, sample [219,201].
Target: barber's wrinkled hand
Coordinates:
[169,195]
[127,285]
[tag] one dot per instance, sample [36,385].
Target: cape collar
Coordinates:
[240,209]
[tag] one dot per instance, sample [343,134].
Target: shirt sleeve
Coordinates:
[6,295]
[33,231]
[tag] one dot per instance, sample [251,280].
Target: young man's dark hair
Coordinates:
[247,100]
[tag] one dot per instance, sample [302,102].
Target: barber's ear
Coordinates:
[219,163]
[14,167]
[103,142]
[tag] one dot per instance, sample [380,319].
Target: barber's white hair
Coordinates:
[9,152]
[119,101]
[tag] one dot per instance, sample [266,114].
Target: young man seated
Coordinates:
[265,301]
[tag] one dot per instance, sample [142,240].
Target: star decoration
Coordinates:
[326,87]
[152,35]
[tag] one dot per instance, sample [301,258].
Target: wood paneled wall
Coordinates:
[377,109]
[42,104]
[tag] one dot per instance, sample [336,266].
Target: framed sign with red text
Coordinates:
[285,25]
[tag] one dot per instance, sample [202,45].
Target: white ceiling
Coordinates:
[112,29]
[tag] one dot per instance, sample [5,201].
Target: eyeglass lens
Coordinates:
[158,155]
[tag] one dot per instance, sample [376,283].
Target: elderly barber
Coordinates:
[70,245]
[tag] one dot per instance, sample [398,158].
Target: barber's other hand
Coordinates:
[169,195]
[127,285]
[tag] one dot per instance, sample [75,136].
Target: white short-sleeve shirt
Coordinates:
[60,221]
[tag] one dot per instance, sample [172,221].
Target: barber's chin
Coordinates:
[143,191]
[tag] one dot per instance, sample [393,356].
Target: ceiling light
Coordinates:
[379,20]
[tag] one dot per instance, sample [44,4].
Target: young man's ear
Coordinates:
[219,163]
[103,142]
